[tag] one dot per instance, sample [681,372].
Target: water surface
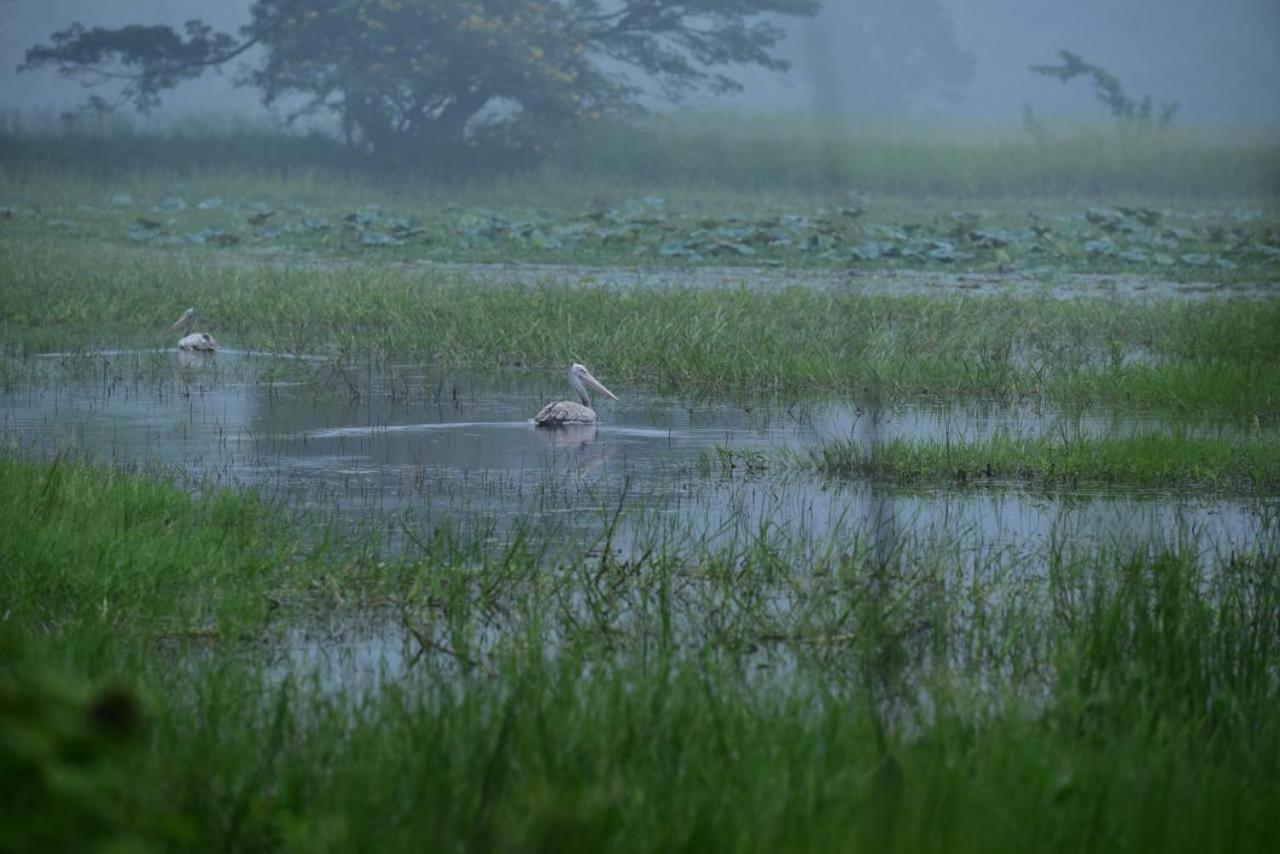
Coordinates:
[415,449]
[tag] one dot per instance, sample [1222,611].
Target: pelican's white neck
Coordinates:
[576,382]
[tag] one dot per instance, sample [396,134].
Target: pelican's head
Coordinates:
[579,376]
[185,322]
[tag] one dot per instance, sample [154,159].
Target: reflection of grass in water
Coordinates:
[753,697]
[1143,460]
[1215,356]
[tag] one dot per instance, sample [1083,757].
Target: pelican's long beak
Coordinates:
[598,386]
[177,324]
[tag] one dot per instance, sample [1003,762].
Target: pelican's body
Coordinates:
[567,412]
[202,341]
[197,341]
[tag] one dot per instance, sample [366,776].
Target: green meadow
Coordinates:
[194,657]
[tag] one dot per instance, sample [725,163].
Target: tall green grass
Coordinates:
[1176,460]
[927,158]
[755,698]
[1216,356]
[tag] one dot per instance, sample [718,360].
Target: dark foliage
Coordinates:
[429,74]
[149,59]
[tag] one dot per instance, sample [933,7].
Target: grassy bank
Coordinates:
[751,699]
[1219,356]
[1145,460]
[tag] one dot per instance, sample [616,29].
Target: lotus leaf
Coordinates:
[942,251]
[728,247]
[1146,216]
[170,203]
[541,240]
[218,237]
[1108,219]
[868,251]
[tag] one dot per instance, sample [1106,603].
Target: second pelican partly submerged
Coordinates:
[569,412]
[191,340]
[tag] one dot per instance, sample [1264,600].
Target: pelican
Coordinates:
[192,340]
[567,412]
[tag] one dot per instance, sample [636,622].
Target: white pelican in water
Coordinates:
[567,411]
[192,340]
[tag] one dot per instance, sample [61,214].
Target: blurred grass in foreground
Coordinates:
[904,702]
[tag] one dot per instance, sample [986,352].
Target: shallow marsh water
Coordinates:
[408,449]
[386,454]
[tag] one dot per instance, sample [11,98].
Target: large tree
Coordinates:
[401,73]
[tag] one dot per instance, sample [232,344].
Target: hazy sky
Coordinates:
[1219,58]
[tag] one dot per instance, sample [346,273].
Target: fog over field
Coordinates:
[1219,60]
[640,425]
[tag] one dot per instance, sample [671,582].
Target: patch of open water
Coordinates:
[458,450]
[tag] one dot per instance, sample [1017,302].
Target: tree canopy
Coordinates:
[402,73]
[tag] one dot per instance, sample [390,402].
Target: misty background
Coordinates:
[1219,60]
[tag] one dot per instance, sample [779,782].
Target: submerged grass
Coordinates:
[1216,356]
[750,699]
[1156,459]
